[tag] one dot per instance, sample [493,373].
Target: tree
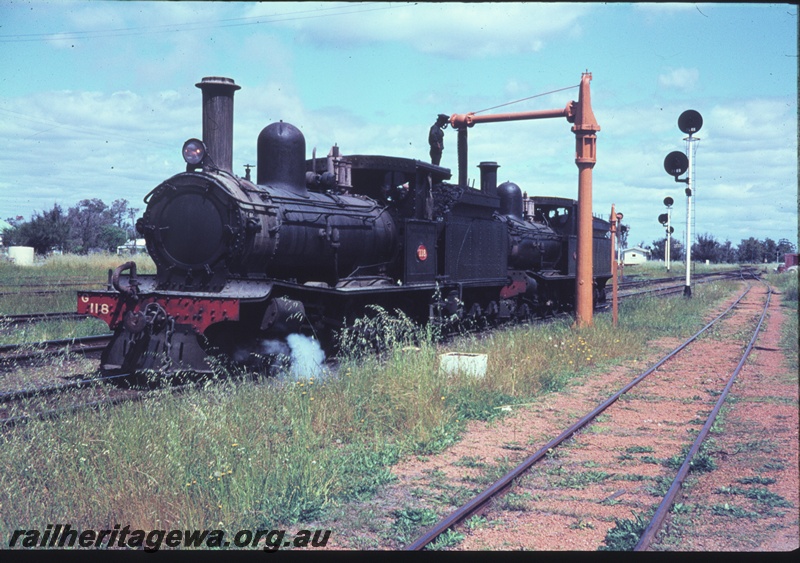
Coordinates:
[784,247]
[622,235]
[750,251]
[86,220]
[727,254]
[46,230]
[675,249]
[118,212]
[706,248]
[770,250]
[110,237]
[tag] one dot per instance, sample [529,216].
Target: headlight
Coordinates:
[194,151]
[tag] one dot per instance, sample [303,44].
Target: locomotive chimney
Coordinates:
[489,177]
[218,119]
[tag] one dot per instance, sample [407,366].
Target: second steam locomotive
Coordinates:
[309,245]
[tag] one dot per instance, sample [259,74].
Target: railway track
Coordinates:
[56,400]
[47,288]
[541,484]
[39,317]
[12,355]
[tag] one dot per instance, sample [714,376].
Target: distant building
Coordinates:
[635,255]
[133,246]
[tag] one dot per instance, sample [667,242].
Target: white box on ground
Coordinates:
[460,362]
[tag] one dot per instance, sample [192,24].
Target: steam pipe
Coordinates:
[458,120]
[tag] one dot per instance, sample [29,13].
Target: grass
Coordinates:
[786,283]
[18,284]
[242,455]
[657,269]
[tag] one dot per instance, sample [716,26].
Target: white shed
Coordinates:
[133,246]
[635,255]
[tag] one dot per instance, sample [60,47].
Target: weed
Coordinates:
[516,501]
[733,511]
[680,508]
[660,486]
[437,477]
[759,494]
[513,446]
[756,480]
[702,461]
[476,522]
[639,450]
[775,466]
[625,534]
[582,480]
[581,524]
[630,477]
[469,461]
[450,538]
[761,445]
[492,473]
[455,495]
[408,521]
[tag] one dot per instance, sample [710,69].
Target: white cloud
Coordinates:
[446,29]
[680,78]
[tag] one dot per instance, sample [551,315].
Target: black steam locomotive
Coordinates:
[309,245]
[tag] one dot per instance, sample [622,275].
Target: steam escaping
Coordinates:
[275,347]
[300,353]
[246,350]
[308,359]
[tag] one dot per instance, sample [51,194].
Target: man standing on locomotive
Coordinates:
[436,138]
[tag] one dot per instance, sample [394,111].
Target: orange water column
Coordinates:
[584,126]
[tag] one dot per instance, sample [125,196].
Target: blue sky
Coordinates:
[96,98]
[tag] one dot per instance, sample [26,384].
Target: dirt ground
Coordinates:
[621,465]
